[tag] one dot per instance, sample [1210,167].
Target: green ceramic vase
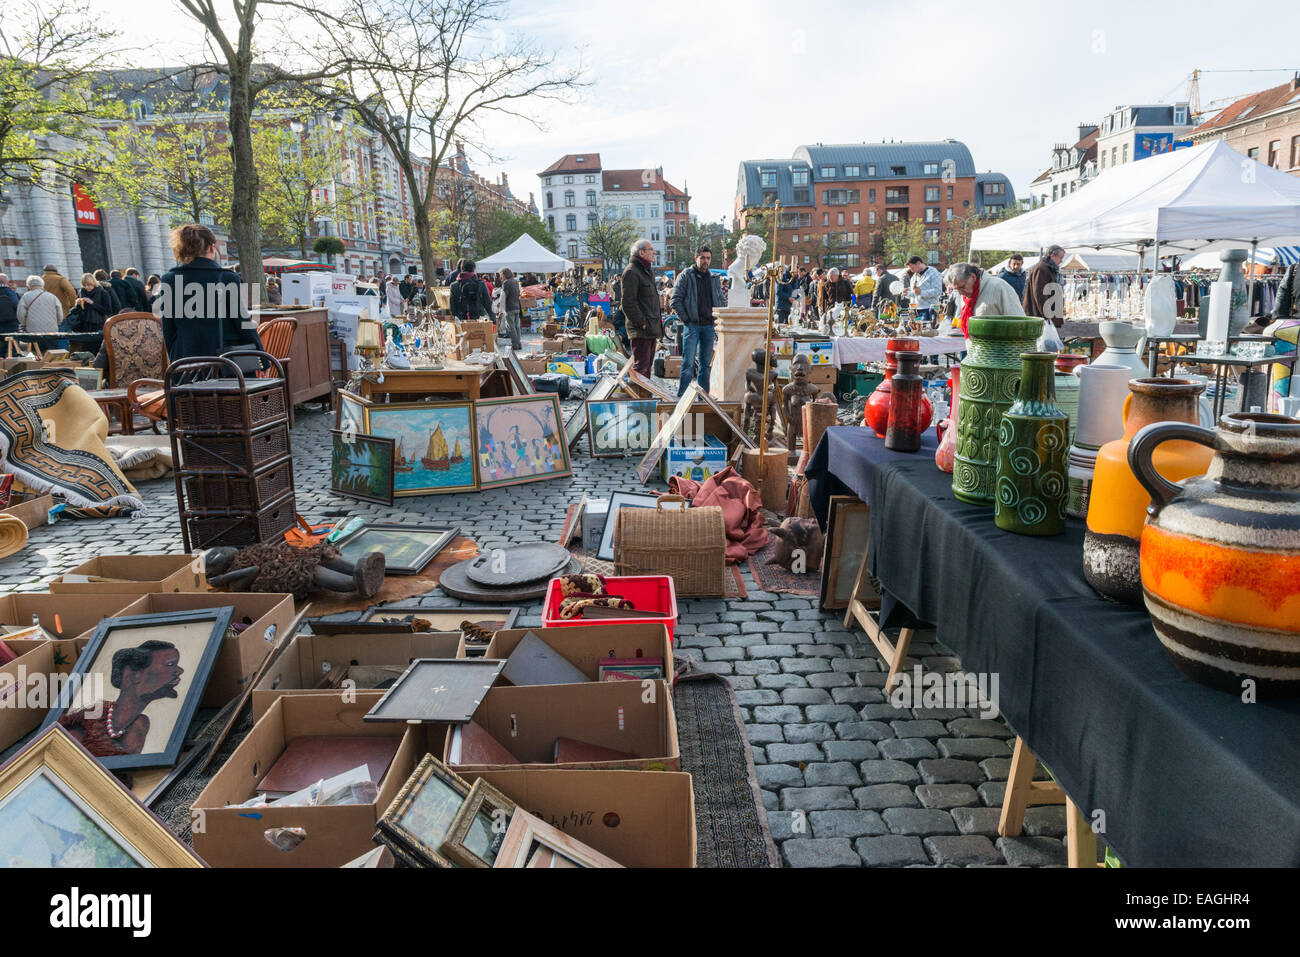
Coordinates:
[1032,481]
[990,375]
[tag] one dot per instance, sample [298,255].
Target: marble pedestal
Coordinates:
[740,331]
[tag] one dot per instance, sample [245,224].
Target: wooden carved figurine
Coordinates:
[794,396]
[754,395]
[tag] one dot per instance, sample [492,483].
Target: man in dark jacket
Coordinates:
[1044,295]
[469,296]
[696,294]
[784,293]
[641,307]
[8,306]
[407,288]
[140,296]
[123,291]
[1014,274]
[884,281]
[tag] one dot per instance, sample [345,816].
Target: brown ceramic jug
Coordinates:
[1221,554]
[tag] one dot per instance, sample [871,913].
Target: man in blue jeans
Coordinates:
[696,293]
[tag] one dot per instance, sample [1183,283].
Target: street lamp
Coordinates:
[336,122]
[296,125]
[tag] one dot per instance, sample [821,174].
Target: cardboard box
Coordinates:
[27,688]
[63,616]
[308,658]
[550,330]
[672,367]
[583,646]
[532,364]
[226,836]
[694,460]
[638,818]
[611,714]
[552,346]
[818,351]
[135,575]
[240,656]
[33,512]
[823,376]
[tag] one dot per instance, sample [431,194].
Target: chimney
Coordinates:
[505,181]
[1295,82]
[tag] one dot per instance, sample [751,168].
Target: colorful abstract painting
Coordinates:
[520,439]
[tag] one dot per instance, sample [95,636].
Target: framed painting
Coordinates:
[518,378]
[532,843]
[60,808]
[407,548]
[90,379]
[576,423]
[617,501]
[649,387]
[520,439]
[444,619]
[664,437]
[351,412]
[479,827]
[434,450]
[437,689]
[135,688]
[618,427]
[847,523]
[361,466]
[416,823]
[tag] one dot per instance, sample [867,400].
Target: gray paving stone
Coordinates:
[771,651]
[793,753]
[921,822]
[832,772]
[1032,851]
[949,771]
[806,696]
[992,792]
[816,799]
[918,729]
[939,714]
[801,733]
[777,681]
[744,641]
[741,682]
[973,748]
[947,796]
[782,824]
[847,824]
[724,654]
[996,769]
[756,668]
[979,728]
[695,641]
[856,696]
[820,852]
[878,711]
[764,733]
[908,749]
[760,696]
[876,797]
[853,665]
[716,667]
[804,666]
[850,750]
[774,776]
[1046,821]
[891,851]
[781,713]
[771,801]
[863,731]
[832,712]
[829,679]
[977,820]
[886,771]
[963,851]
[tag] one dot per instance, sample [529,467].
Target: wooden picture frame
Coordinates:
[372,457]
[649,387]
[55,786]
[844,551]
[437,690]
[350,411]
[532,445]
[523,385]
[89,378]
[645,468]
[526,830]
[444,619]
[416,823]
[712,403]
[387,538]
[576,423]
[643,407]
[147,674]
[478,830]
[436,452]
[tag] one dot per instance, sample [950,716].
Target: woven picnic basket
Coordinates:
[690,544]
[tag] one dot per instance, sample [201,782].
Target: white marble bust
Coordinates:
[749,249]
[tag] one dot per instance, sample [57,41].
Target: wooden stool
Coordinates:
[1023,791]
[115,400]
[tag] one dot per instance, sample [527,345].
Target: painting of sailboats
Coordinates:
[361,466]
[434,444]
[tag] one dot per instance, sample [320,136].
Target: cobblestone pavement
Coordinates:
[848,779]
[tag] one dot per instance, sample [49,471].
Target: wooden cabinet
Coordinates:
[309,354]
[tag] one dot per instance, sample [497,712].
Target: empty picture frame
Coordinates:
[61,808]
[664,437]
[407,548]
[416,823]
[617,501]
[479,827]
[154,668]
[847,524]
[522,384]
[528,836]
[437,689]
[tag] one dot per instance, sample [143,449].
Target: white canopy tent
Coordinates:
[525,254]
[1265,255]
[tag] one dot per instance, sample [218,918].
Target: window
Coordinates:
[871,217]
[839,219]
[893,195]
[571,222]
[994,189]
[799,177]
[852,172]
[550,223]
[947,213]
[932,194]
[891,216]
[640,212]
[871,169]
[548,180]
[668,207]
[670,228]
[807,260]
[871,195]
[932,234]
[1103,159]
[568,197]
[590,178]
[767,177]
[1295,151]
[898,170]
[796,237]
[626,212]
[1274,148]
[769,197]
[932,257]
[929,169]
[568,179]
[828,172]
[591,197]
[654,211]
[573,250]
[1114,155]
[826,219]
[654,235]
[550,200]
[1180,115]
[857,218]
[591,220]
[1253,152]
[932,214]
[1124,155]
[801,195]
[1054,191]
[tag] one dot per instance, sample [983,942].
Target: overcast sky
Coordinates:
[696,87]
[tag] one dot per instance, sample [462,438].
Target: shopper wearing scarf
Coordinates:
[980,294]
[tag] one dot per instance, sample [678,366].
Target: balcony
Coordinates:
[897,199]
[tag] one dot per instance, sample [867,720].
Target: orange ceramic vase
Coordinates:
[1221,554]
[1118,503]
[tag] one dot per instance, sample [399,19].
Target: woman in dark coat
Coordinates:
[92,308]
[202,306]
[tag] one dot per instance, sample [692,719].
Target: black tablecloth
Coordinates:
[843,461]
[1184,774]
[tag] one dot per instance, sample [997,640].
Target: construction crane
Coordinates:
[1194,88]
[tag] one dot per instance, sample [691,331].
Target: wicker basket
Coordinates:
[690,544]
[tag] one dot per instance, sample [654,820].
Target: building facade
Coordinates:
[838,202]
[571,188]
[1131,133]
[1073,167]
[1264,126]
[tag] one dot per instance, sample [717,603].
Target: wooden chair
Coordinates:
[277,340]
[137,358]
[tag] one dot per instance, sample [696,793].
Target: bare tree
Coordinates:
[425,73]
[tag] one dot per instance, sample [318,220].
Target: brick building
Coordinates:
[838,202]
[1264,126]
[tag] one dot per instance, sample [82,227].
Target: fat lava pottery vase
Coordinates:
[875,415]
[903,433]
[1031,475]
[1118,503]
[944,454]
[990,379]
[1221,554]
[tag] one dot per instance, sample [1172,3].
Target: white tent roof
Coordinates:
[525,254]
[1207,196]
[1266,255]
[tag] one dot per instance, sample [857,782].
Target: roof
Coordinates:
[671,190]
[632,180]
[574,162]
[749,182]
[1041,177]
[1005,200]
[910,156]
[1254,105]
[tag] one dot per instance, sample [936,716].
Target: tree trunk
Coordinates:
[425,241]
[245,226]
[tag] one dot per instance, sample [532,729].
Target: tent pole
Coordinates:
[1250,292]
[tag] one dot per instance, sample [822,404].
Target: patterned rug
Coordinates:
[778,579]
[52,439]
[730,821]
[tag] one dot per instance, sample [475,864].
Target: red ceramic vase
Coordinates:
[903,433]
[876,414]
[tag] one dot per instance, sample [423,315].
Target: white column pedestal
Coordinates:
[740,331]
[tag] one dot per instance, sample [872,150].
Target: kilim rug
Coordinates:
[776,578]
[52,439]
[730,820]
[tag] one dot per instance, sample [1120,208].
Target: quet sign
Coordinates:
[87,211]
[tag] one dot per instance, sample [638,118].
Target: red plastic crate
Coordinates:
[647,592]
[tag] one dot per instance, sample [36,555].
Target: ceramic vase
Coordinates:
[1031,474]
[903,433]
[943,455]
[1067,386]
[1221,554]
[990,378]
[1118,503]
[1239,314]
[875,415]
[1121,340]
[1102,391]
